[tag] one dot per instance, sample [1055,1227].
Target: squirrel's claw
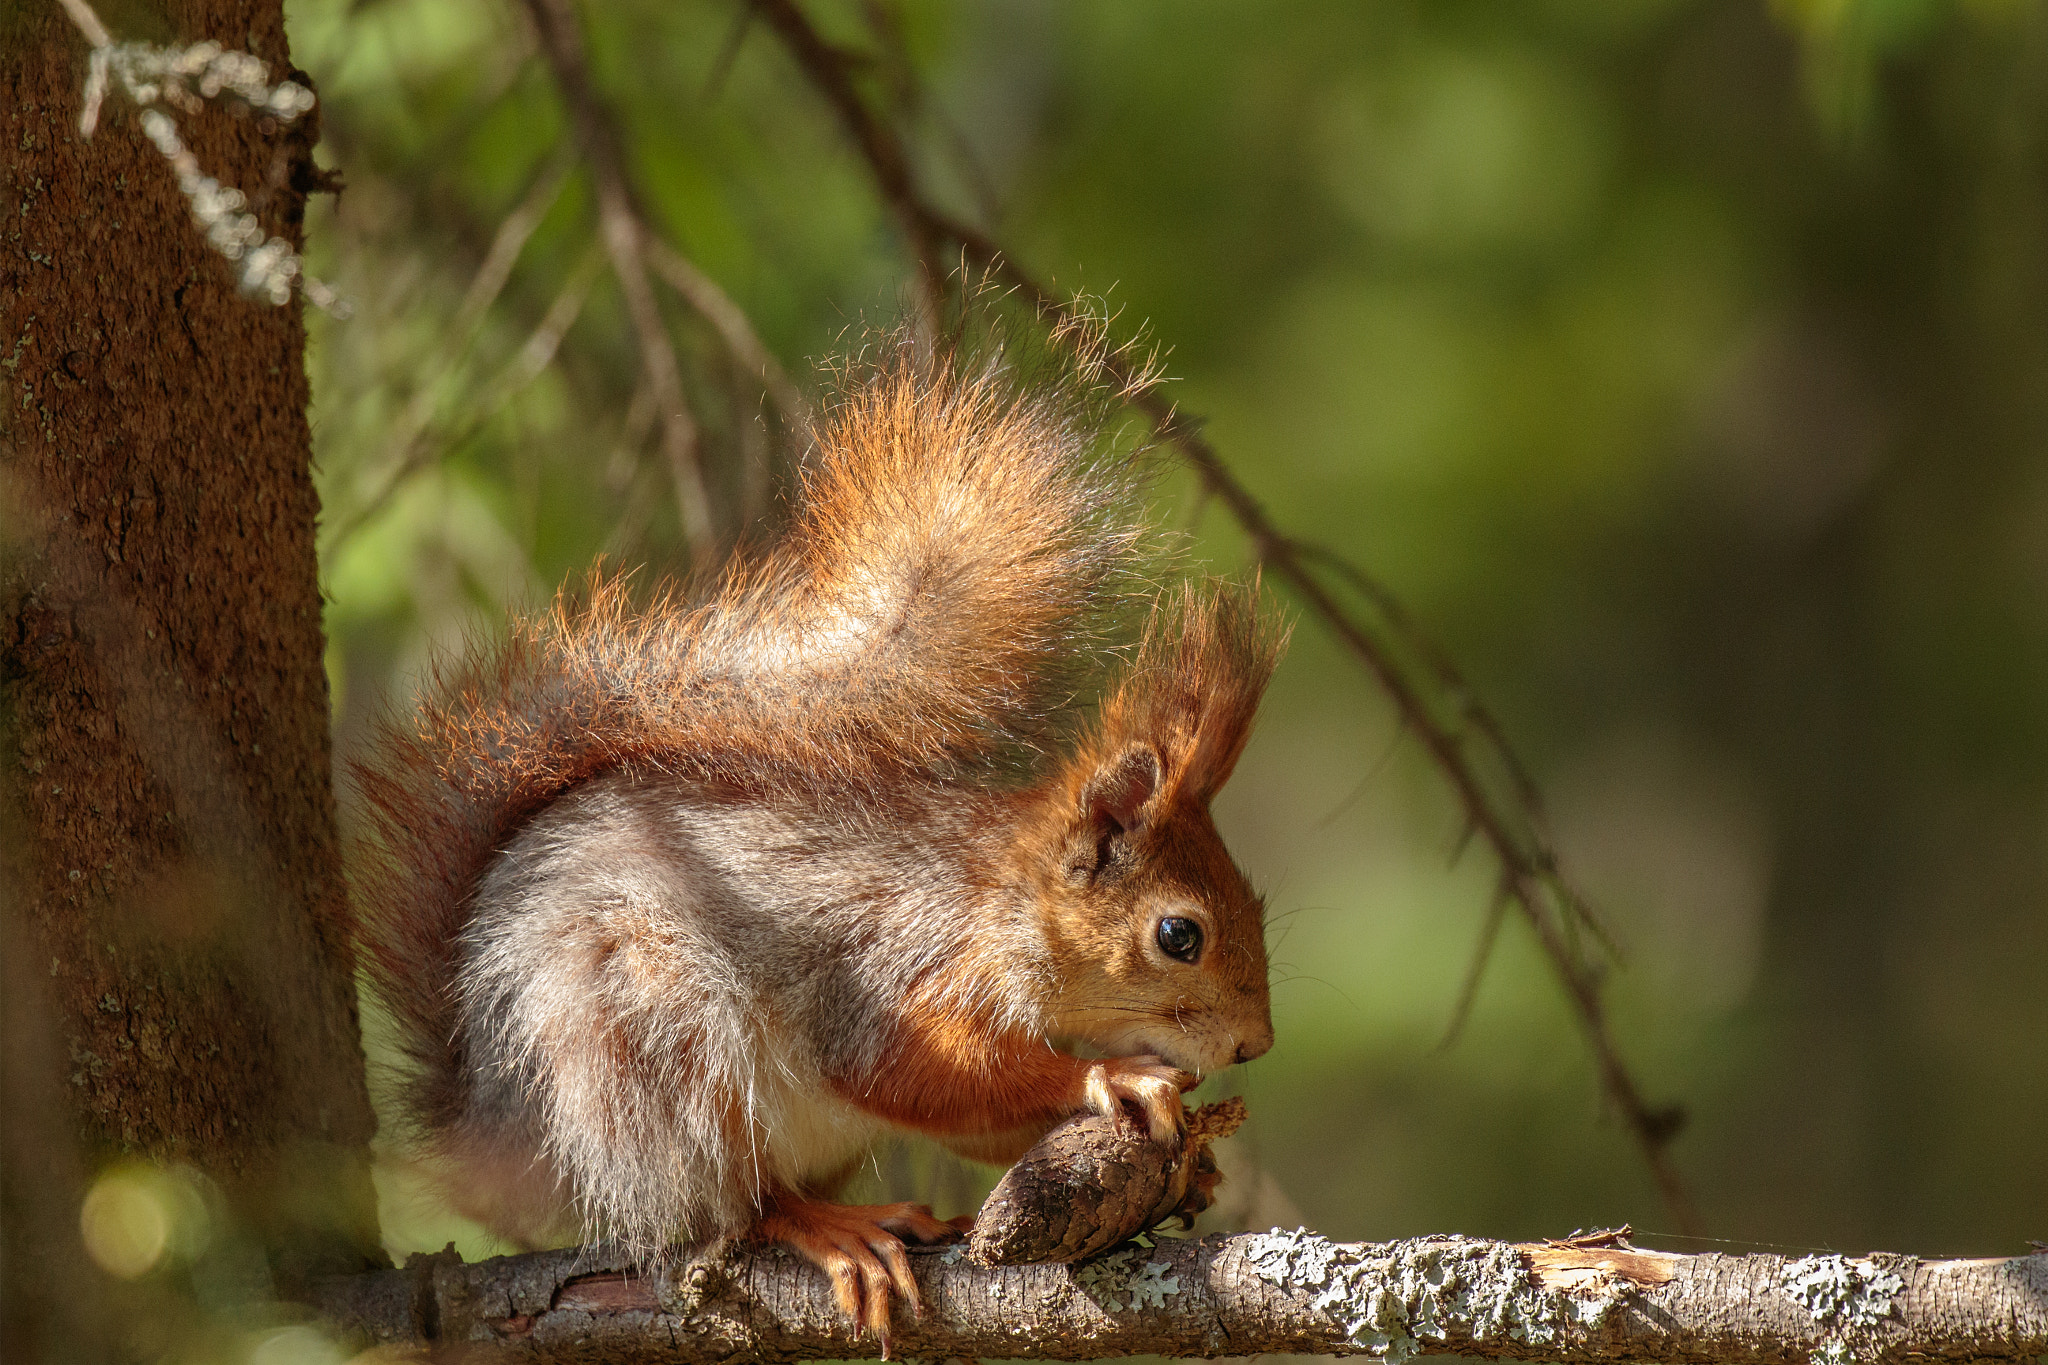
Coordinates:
[860,1249]
[1151,1083]
[915,1222]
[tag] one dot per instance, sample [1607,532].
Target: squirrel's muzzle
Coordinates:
[1258,1045]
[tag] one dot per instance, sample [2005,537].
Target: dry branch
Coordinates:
[734,327]
[522,369]
[1432,700]
[624,237]
[1218,1296]
[404,453]
[829,70]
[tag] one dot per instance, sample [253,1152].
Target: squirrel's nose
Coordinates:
[1256,1046]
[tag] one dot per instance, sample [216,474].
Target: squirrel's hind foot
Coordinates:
[860,1249]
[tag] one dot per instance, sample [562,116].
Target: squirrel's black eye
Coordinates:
[1181,938]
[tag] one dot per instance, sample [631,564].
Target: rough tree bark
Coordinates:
[1225,1296]
[178,978]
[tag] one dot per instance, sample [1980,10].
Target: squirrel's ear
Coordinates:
[1119,798]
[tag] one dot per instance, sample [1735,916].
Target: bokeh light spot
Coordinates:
[126,1224]
[296,1346]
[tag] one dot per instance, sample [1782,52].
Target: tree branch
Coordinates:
[402,455]
[702,293]
[829,71]
[562,40]
[1513,827]
[524,367]
[1216,1296]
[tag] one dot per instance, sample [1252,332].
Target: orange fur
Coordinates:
[953,1072]
[847,777]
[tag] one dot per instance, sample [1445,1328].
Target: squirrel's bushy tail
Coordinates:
[964,550]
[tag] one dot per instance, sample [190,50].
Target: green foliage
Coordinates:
[1678,364]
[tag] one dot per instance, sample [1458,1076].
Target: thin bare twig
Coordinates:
[1530,876]
[624,238]
[633,429]
[1528,863]
[403,438]
[1450,681]
[521,370]
[884,18]
[728,52]
[546,339]
[1475,969]
[506,245]
[627,476]
[831,73]
[702,293]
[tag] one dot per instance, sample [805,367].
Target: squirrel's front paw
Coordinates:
[1149,1082]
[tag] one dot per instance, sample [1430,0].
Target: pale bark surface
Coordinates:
[173,894]
[1227,1296]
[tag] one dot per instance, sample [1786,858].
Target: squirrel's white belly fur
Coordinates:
[806,1132]
[690,941]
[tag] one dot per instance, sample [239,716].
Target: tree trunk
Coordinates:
[175,912]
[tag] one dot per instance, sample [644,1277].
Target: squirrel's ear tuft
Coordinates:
[1123,794]
[1190,694]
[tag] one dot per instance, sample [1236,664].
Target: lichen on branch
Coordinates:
[187,77]
[1274,1292]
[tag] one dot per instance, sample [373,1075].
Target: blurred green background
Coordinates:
[1681,364]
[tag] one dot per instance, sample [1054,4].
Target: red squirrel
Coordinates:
[680,907]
